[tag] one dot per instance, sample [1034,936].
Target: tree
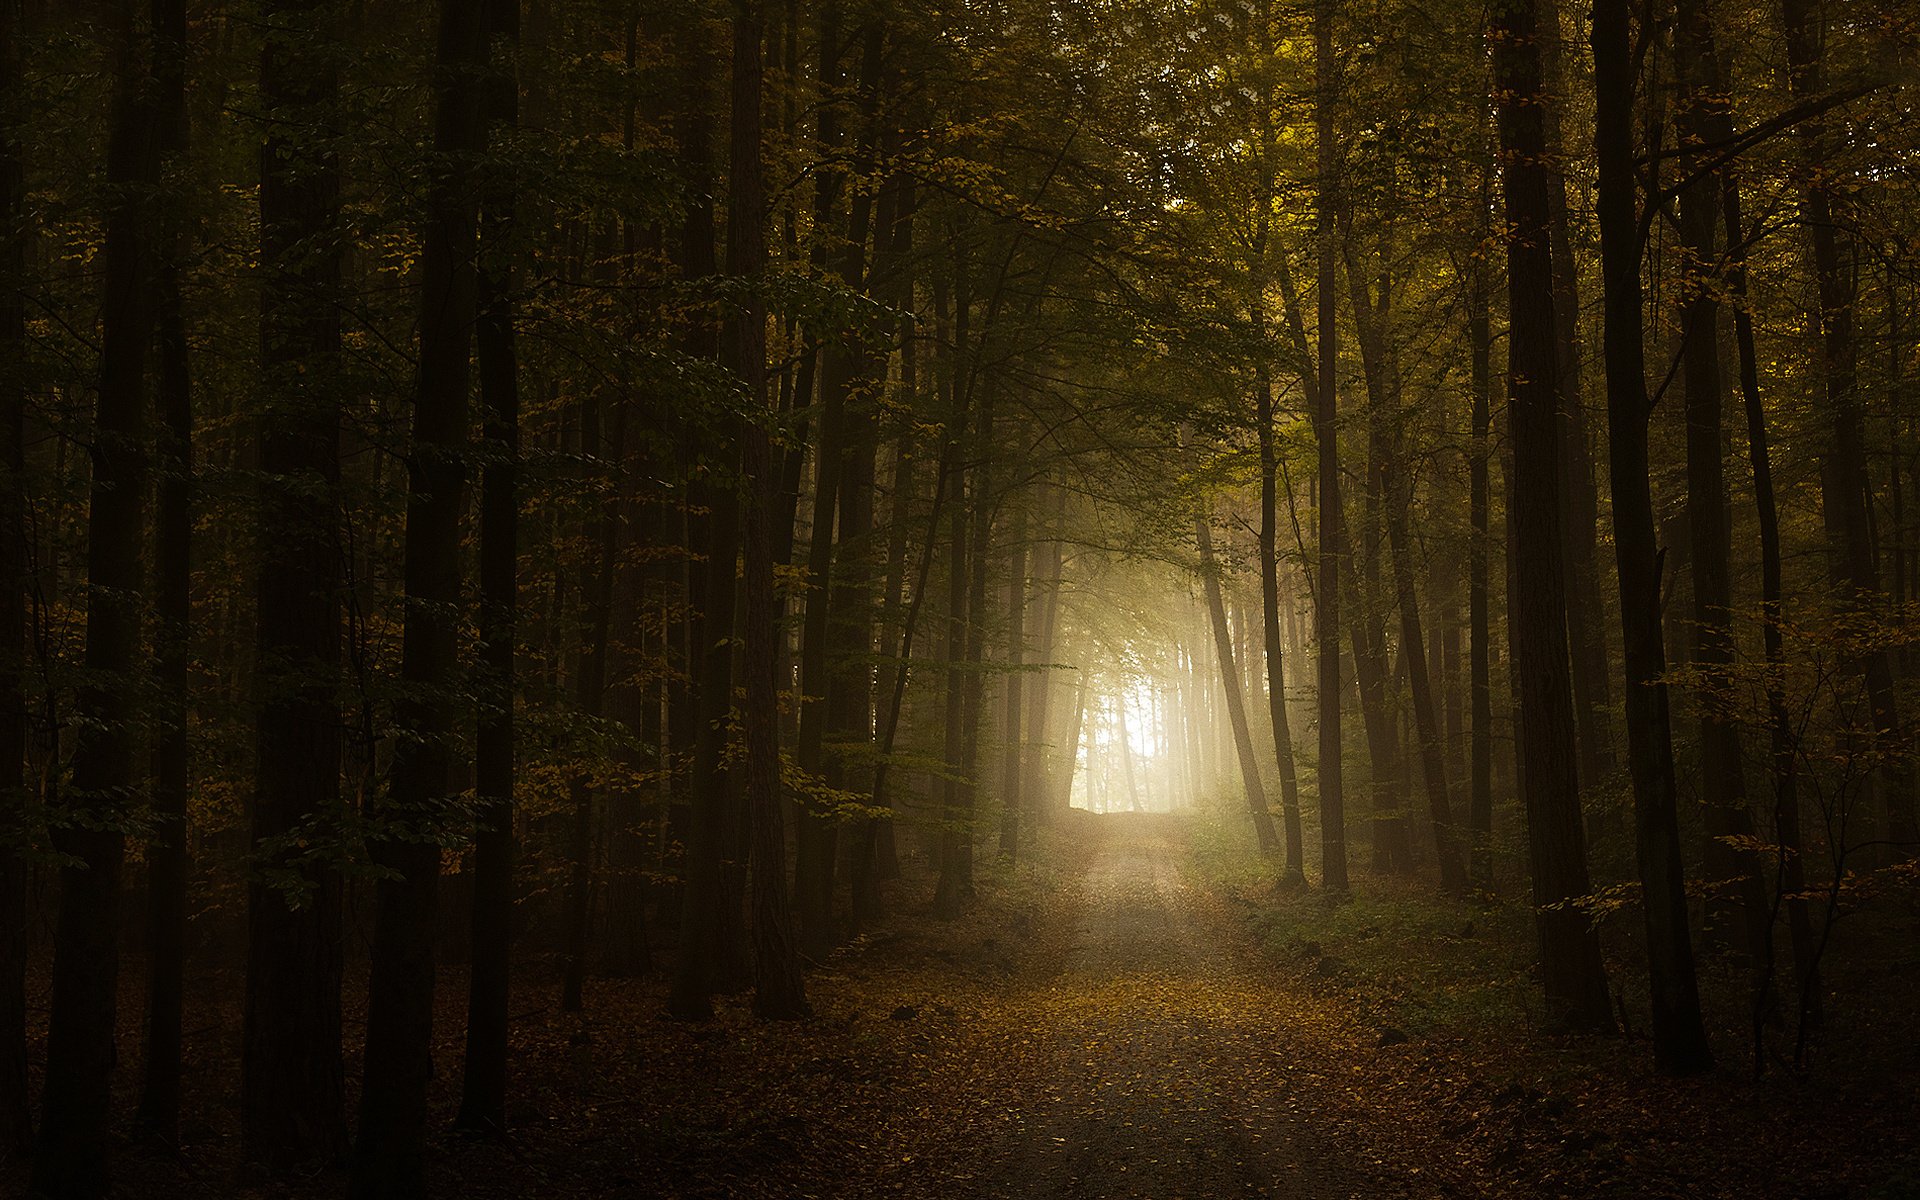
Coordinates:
[779,991]
[71,1158]
[16,1118]
[1230,683]
[167,864]
[1333,835]
[483,1096]
[390,1151]
[1680,1043]
[1570,970]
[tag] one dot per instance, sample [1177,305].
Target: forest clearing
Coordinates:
[959,598]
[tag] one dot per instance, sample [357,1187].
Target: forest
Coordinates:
[959,598]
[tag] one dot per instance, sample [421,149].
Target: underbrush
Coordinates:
[1414,962]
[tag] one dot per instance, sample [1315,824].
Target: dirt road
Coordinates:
[1133,1054]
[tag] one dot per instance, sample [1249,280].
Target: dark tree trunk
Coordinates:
[1783,742]
[1270,624]
[1391,475]
[1333,825]
[1479,646]
[292,1088]
[1586,616]
[1702,117]
[1680,1042]
[1015,687]
[590,686]
[708,953]
[167,866]
[71,1160]
[778,991]
[1843,465]
[16,1117]
[1230,682]
[483,1095]
[1040,710]
[390,1153]
[1570,969]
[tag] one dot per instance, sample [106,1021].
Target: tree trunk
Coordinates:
[483,1095]
[167,866]
[16,1117]
[1270,625]
[590,683]
[1843,466]
[1702,117]
[1333,830]
[1586,616]
[71,1160]
[390,1153]
[292,1072]
[1391,473]
[1236,706]
[1783,745]
[1479,647]
[778,990]
[1679,1040]
[1570,969]
[706,953]
[1015,687]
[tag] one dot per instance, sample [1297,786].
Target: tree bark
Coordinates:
[1680,1042]
[16,1116]
[1703,117]
[483,1095]
[1843,466]
[167,864]
[292,1071]
[1479,646]
[71,1160]
[390,1152]
[1230,682]
[1333,832]
[778,991]
[1570,969]
[1015,688]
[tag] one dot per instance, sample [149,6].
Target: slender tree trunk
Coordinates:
[1236,706]
[1015,687]
[1570,969]
[590,691]
[1270,624]
[1479,647]
[778,990]
[483,1096]
[955,887]
[1783,744]
[1333,831]
[390,1153]
[1586,616]
[292,1072]
[707,954]
[16,1117]
[167,865]
[1391,476]
[1843,466]
[1680,1043]
[1703,118]
[77,1097]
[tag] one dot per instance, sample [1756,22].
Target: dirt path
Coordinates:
[1135,1055]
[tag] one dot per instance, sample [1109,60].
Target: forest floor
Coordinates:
[1125,1022]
